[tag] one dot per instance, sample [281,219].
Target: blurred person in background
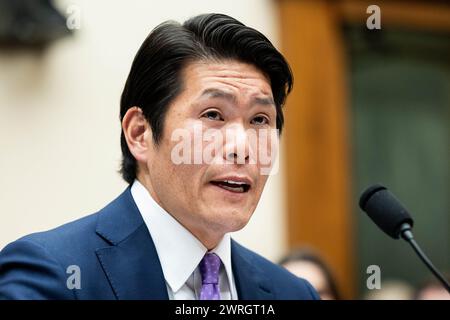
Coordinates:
[307,264]
[391,290]
[432,289]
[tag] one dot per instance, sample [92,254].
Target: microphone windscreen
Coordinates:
[385,210]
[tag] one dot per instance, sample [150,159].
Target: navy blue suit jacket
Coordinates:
[118,260]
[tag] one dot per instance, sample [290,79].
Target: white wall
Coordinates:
[59,127]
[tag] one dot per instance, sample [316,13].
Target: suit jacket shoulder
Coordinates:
[38,266]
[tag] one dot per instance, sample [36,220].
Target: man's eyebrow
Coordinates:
[217,93]
[264,101]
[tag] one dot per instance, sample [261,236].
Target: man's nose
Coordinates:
[236,148]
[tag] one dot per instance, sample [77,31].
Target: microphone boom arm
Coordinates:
[407,235]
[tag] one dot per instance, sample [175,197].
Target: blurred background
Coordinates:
[368,106]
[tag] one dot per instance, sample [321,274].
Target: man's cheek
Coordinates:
[188,174]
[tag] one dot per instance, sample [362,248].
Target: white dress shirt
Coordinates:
[180,252]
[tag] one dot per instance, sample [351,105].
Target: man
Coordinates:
[167,235]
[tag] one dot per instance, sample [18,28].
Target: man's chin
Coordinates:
[230,220]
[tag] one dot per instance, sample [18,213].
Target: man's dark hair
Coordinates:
[155,77]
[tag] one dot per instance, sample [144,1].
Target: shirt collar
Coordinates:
[179,251]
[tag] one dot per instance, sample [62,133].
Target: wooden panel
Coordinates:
[316,138]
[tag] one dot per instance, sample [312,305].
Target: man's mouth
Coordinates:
[232,185]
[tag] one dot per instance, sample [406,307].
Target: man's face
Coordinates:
[217,196]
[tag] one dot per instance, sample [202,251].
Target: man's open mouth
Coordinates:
[233,186]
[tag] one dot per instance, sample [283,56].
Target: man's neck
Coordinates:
[205,233]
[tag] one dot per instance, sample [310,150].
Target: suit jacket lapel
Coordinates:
[131,262]
[251,282]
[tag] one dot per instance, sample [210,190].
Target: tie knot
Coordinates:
[209,268]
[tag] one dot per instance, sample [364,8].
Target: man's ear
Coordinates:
[138,133]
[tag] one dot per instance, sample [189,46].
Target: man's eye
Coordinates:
[213,115]
[259,120]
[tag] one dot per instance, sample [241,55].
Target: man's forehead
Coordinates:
[255,97]
[224,79]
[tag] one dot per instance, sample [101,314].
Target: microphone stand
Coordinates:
[407,235]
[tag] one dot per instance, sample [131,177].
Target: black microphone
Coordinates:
[394,219]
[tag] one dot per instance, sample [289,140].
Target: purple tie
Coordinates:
[209,270]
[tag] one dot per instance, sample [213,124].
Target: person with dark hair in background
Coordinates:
[167,235]
[307,264]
